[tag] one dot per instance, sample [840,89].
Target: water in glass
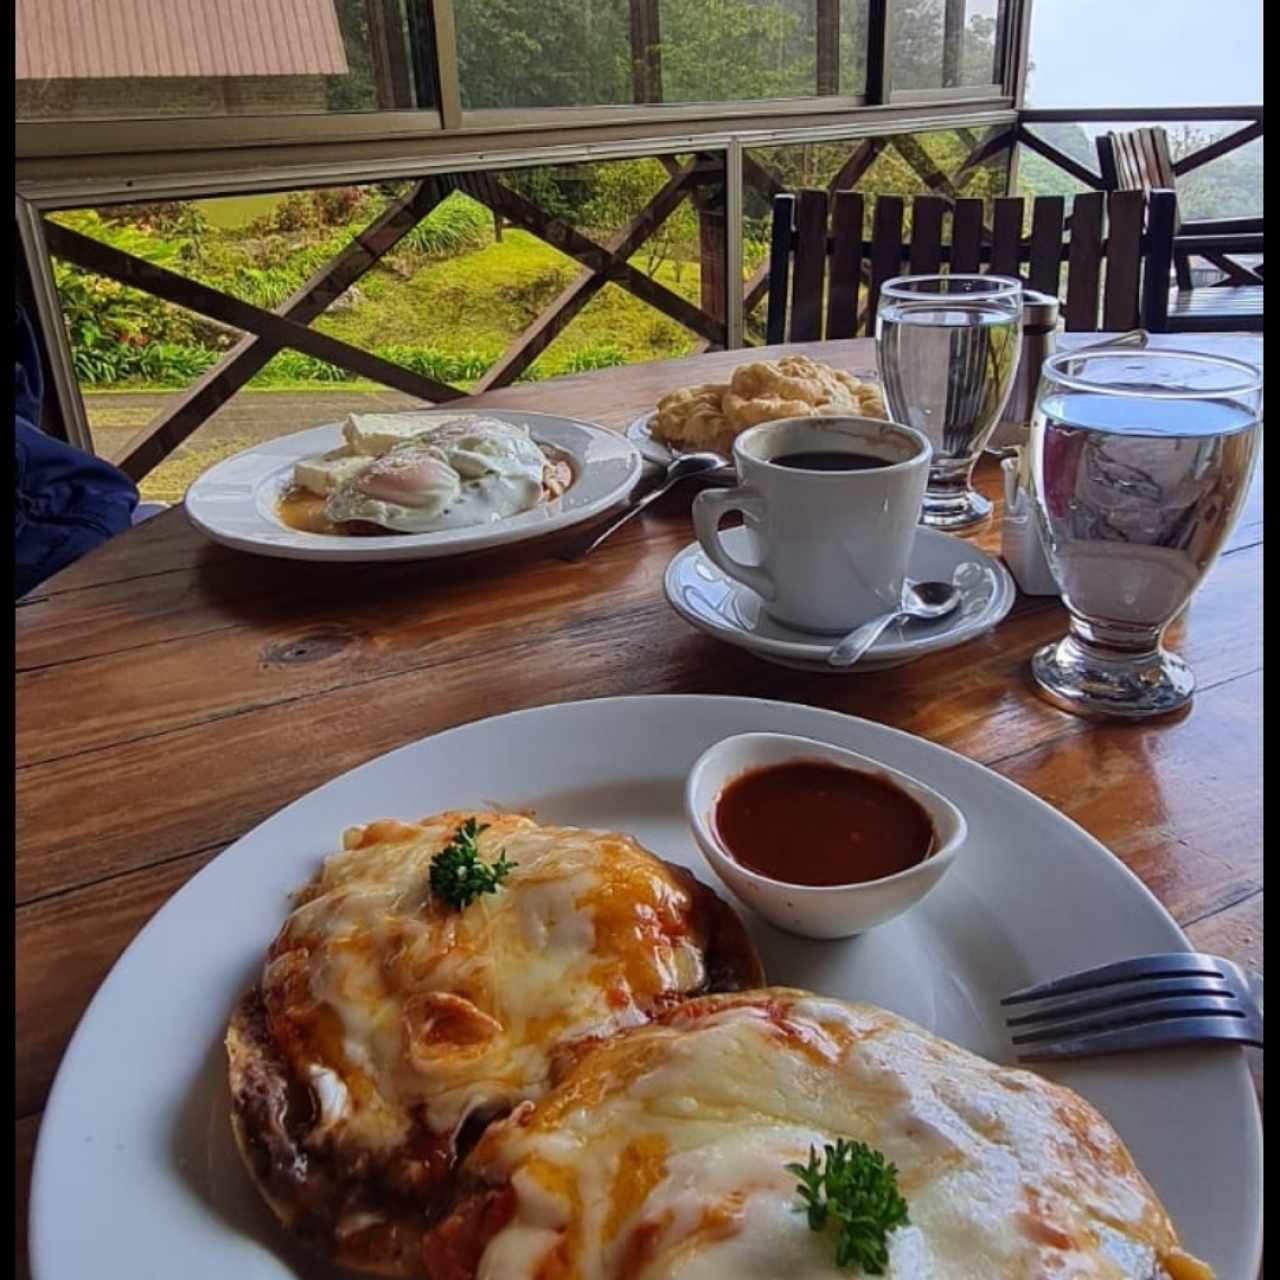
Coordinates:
[948,350]
[1141,466]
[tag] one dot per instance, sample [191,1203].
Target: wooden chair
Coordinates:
[1139,160]
[950,233]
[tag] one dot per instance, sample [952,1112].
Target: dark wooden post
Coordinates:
[828,47]
[952,42]
[391,72]
[646,51]
[708,200]
[713,250]
[879,72]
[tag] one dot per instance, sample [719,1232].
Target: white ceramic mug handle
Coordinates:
[709,508]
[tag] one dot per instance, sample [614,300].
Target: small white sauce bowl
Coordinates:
[815,911]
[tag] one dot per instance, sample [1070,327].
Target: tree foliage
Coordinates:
[565,53]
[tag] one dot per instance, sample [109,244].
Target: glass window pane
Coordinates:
[576,53]
[936,44]
[1145,53]
[543,53]
[132,59]
[734,50]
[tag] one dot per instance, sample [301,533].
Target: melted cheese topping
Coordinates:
[662,1156]
[393,1006]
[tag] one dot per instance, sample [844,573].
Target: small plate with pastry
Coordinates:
[710,415]
[413,486]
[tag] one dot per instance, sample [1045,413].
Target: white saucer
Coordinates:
[716,604]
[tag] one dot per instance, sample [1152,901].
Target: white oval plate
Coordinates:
[136,1176]
[716,604]
[234,502]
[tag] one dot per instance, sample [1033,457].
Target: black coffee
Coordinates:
[829,460]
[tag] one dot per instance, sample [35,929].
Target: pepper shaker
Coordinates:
[1039,324]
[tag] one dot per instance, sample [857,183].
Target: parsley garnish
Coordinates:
[860,1191]
[458,877]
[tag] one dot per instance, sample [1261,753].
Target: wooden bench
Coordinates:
[1140,160]
[825,277]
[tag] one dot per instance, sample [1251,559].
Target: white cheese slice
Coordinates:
[322,474]
[372,434]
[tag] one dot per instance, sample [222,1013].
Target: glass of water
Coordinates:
[1141,462]
[948,350]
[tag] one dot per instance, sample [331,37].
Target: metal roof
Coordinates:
[90,39]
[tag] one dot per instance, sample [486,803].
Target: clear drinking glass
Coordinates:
[948,349]
[1141,461]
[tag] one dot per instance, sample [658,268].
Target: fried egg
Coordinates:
[408,490]
[662,1156]
[387,1029]
[454,473]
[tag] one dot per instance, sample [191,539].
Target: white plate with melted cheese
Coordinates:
[413,486]
[137,1174]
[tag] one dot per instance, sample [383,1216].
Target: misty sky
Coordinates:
[1141,53]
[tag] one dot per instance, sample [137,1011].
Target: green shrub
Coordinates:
[295,212]
[605,356]
[166,364]
[336,206]
[297,366]
[602,355]
[456,224]
[169,364]
[100,312]
[443,366]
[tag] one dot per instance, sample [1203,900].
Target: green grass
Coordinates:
[481,301]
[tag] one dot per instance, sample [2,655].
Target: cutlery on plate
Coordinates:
[920,600]
[1152,1002]
[682,467]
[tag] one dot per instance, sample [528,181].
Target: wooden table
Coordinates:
[171,694]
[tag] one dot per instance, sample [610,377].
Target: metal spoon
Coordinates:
[924,600]
[682,467]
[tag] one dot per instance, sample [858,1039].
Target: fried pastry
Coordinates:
[711,415]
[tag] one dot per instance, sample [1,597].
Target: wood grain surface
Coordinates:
[170,693]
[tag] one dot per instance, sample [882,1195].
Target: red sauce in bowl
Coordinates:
[813,823]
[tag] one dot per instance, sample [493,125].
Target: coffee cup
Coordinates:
[831,506]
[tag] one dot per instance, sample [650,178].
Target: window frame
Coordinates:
[165,145]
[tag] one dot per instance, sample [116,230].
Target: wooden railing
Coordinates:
[1217,243]
[701,181]
[1030,116]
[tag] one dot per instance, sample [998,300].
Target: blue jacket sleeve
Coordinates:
[66,501]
